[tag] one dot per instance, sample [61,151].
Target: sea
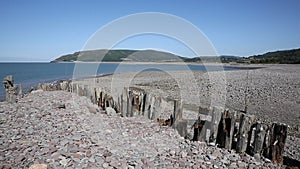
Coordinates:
[31,74]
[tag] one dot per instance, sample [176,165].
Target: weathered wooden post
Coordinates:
[246,122]
[147,105]
[74,88]
[178,123]
[20,90]
[64,85]
[124,102]
[155,106]
[79,90]
[198,129]
[259,136]
[204,124]
[129,103]
[118,105]
[216,118]
[144,104]
[275,146]
[177,113]
[151,114]
[10,89]
[226,129]
[91,94]
[136,97]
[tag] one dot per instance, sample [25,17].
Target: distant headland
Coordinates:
[103,55]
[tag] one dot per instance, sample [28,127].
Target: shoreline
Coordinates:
[34,83]
[270,103]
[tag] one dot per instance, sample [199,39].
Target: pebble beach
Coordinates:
[35,132]
[62,130]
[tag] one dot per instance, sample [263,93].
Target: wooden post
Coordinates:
[86,91]
[91,94]
[246,122]
[259,131]
[97,95]
[74,88]
[278,134]
[80,90]
[155,106]
[181,127]
[20,90]
[144,104]
[177,113]
[118,105]
[129,103]
[199,127]
[151,107]
[64,85]
[216,118]
[147,105]
[10,89]
[124,102]
[226,129]
[203,125]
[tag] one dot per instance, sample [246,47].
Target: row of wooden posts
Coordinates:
[224,128]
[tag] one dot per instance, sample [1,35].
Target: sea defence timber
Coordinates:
[220,127]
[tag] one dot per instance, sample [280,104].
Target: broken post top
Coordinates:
[10,89]
[8,82]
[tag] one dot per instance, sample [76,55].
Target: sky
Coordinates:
[35,30]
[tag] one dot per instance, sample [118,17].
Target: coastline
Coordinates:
[268,105]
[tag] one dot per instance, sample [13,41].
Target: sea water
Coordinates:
[30,74]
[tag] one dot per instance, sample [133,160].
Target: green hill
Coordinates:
[118,56]
[279,57]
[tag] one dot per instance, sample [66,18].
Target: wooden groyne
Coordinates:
[221,127]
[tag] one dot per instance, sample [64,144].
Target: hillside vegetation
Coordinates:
[281,57]
[277,57]
[118,56]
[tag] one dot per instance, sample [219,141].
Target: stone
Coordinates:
[225,161]
[76,137]
[241,164]
[211,157]
[106,153]
[105,165]
[256,156]
[77,155]
[61,106]
[92,160]
[233,166]
[183,154]
[172,152]
[64,162]
[92,109]
[130,167]
[38,166]
[110,111]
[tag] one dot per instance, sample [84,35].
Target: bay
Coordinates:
[30,74]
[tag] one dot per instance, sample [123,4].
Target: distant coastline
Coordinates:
[144,56]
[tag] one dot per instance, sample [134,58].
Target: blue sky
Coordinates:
[35,30]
